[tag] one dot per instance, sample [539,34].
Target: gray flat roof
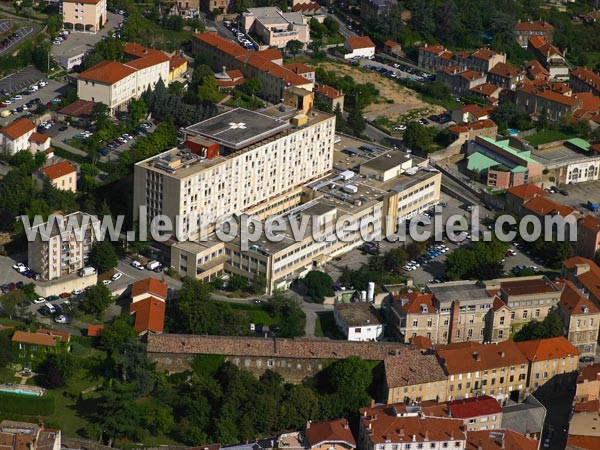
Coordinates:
[238,128]
[357,314]
[387,160]
[448,292]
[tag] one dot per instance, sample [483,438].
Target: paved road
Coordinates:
[25,33]
[22,79]
[345,32]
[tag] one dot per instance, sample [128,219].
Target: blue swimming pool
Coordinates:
[19,392]
[512,131]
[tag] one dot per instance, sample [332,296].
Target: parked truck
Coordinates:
[592,206]
[152,265]
[87,271]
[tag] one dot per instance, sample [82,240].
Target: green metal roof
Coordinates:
[505,145]
[519,169]
[479,161]
[580,143]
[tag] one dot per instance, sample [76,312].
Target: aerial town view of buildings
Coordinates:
[304,225]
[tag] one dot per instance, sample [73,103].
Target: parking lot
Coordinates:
[579,194]
[45,94]
[21,34]
[79,43]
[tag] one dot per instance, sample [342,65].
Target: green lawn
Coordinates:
[547,136]
[325,326]
[257,313]
[7,376]
[447,103]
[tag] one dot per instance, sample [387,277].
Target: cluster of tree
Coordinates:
[163,104]
[34,52]
[375,270]
[96,299]
[316,286]
[550,327]
[109,49]
[424,139]
[508,115]
[196,312]
[256,286]
[482,261]
[163,137]
[330,27]
[552,252]
[221,403]
[155,31]
[104,256]
[357,94]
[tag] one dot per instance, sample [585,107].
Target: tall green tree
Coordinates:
[293,47]
[104,256]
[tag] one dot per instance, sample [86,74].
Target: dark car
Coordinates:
[563,192]
[586,359]
[12,287]
[103,151]
[51,298]
[24,304]
[44,311]
[5,287]
[63,128]
[19,285]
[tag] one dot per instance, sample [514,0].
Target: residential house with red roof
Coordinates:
[393,48]
[583,79]
[14,137]
[498,370]
[39,142]
[535,100]
[31,348]
[528,28]
[460,82]
[588,236]
[584,273]
[481,60]
[62,175]
[588,385]
[470,113]
[550,57]
[478,413]
[463,133]
[359,47]
[488,92]
[274,78]
[500,439]
[28,436]
[414,314]
[273,27]
[536,71]
[330,96]
[435,58]
[516,196]
[115,84]
[84,15]
[382,428]
[552,362]
[581,319]
[331,435]
[505,76]
[148,303]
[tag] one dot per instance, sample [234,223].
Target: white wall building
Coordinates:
[359,47]
[358,321]
[14,137]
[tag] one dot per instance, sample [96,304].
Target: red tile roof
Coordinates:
[299,68]
[176,61]
[270,54]
[64,336]
[589,373]
[505,70]
[416,303]
[410,368]
[583,442]
[150,286]
[589,102]
[149,315]
[573,302]
[464,358]
[18,128]
[544,47]
[477,111]
[536,70]
[571,263]
[137,50]
[148,61]
[80,108]
[328,91]
[331,431]
[589,406]
[543,206]
[107,72]
[94,330]
[359,42]
[499,440]
[548,95]
[435,49]
[498,303]
[534,25]
[528,287]
[390,43]
[34,338]
[545,349]
[467,408]
[58,170]
[389,428]
[485,89]
[470,75]
[527,191]
[38,137]
[313,6]
[224,45]
[484,53]
[473,126]
[588,76]
[421,343]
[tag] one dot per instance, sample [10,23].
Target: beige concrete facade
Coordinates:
[84,15]
[274,27]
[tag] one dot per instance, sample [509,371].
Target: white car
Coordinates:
[39,300]
[18,265]
[61,319]
[76,292]
[137,265]
[43,83]
[116,276]
[18,97]
[106,282]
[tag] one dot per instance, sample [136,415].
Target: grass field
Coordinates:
[257,313]
[547,136]
[325,326]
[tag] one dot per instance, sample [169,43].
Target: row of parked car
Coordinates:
[433,252]
[62,36]
[240,36]
[8,40]
[124,138]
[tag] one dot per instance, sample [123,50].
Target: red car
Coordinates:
[65,295]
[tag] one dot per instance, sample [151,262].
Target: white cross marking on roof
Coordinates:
[233,125]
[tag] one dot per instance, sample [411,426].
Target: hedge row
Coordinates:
[26,404]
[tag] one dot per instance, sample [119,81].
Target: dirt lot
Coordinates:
[404,100]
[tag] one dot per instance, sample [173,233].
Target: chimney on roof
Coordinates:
[477,356]
[346,426]
[502,354]
[426,435]
[401,431]
[308,424]
[372,403]
[414,438]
